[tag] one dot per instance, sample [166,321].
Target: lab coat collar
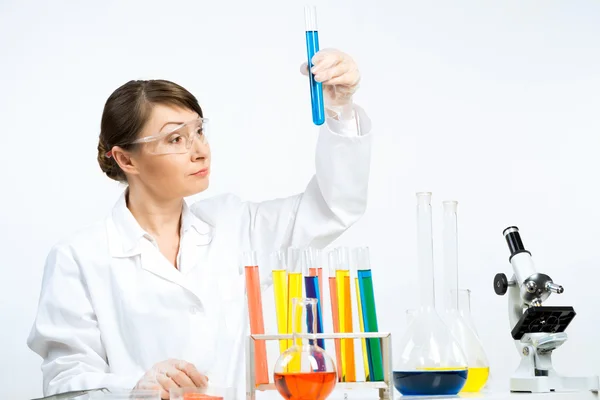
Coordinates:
[125,233]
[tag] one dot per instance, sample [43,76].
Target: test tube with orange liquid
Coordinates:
[332,262]
[255,311]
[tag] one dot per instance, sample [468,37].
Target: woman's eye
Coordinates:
[175,139]
[200,132]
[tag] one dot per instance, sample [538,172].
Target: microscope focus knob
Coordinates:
[531,286]
[500,284]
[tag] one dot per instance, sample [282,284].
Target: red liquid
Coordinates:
[305,385]
[257,324]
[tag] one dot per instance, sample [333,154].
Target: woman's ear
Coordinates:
[125,160]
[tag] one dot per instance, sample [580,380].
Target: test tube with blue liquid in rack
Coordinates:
[312,285]
[312,47]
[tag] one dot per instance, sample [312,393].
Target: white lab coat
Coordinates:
[111,305]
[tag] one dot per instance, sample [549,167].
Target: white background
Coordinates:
[493,104]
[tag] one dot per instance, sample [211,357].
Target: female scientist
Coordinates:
[152,297]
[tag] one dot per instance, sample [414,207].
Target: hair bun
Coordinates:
[108,165]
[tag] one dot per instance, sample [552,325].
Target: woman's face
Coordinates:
[171,176]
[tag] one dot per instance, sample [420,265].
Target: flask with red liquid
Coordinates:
[305,370]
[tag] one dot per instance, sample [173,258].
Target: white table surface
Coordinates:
[512,396]
[366,395]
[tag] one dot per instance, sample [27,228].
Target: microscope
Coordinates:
[536,329]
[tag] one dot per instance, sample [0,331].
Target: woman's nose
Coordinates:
[199,148]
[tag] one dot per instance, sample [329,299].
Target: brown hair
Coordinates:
[126,112]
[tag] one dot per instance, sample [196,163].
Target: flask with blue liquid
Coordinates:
[430,360]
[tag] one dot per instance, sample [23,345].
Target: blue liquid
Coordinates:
[316,88]
[312,292]
[415,383]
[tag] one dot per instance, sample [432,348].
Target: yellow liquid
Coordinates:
[342,278]
[441,368]
[294,291]
[280,288]
[476,379]
[362,329]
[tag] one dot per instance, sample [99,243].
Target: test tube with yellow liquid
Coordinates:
[294,275]
[344,299]
[277,262]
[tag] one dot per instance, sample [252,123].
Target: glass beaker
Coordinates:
[207,393]
[431,361]
[459,321]
[304,371]
[125,395]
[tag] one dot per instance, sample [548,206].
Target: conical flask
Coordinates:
[305,371]
[430,360]
[459,321]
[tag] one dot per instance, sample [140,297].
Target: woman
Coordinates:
[153,297]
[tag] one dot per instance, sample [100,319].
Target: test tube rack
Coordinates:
[385,387]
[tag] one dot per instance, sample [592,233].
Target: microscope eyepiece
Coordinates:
[513,239]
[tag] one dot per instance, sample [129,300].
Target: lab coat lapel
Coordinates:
[128,239]
[156,263]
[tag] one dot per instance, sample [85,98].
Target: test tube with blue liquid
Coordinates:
[312,47]
[310,263]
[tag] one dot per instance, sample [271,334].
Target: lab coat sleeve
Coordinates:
[335,198]
[65,332]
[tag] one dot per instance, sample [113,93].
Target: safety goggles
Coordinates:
[177,140]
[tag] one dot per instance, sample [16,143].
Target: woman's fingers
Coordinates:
[197,378]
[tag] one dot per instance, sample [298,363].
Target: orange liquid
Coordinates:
[257,324]
[305,385]
[336,324]
[200,396]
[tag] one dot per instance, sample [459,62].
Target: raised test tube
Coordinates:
[312,47]
[255,311]
[342,275]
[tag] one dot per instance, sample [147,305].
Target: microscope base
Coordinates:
[546,384]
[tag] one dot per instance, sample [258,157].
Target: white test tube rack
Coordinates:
[385,387]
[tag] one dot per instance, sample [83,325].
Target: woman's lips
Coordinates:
[202,172]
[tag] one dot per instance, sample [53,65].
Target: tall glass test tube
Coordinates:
[255,311]
[450,255]
[425,250]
